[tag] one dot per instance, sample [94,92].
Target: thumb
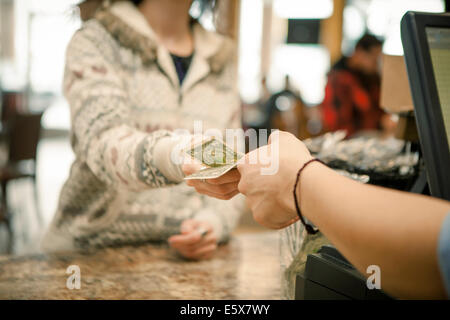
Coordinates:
[242,162]
[273,138]
[191,165]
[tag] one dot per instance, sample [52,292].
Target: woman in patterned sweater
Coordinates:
[134,74]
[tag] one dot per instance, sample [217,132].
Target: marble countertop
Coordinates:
[246,268]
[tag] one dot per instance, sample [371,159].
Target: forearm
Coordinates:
[374,226]
[104,134]
[131,229]
[132,159]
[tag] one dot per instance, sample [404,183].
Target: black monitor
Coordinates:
[426,44]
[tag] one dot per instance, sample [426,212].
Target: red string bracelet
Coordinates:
[309,228]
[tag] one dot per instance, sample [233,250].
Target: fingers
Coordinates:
[209,239]
[219,195]
[206,187]
[242,187]
[190,244]
[191,224]
[204,251]
[275,135]
[190,168]
[269,141]
[185,239]
[191,234]
[224,187]
[180,244]
[231,176]
[251,159]
[226,196]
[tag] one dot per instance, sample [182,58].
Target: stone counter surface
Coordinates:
[245,268]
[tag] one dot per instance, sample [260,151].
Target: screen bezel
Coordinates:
[424,91]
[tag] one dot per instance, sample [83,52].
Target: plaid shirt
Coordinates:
[351,100]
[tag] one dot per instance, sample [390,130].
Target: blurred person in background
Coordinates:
[352,93]
[135,72]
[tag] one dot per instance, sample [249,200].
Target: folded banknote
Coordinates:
[216,156]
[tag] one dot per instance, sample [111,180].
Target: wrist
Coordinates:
[293,168]
[305,176]
[168,157]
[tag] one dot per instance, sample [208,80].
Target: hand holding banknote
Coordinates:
[265,194]
[212,169]
[224,187]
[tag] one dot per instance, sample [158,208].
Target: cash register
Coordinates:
[426,43]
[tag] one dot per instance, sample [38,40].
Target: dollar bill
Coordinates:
[211,173]
[214,153]
[216,156]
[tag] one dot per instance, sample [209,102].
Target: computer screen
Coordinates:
[426,43]
[439,44]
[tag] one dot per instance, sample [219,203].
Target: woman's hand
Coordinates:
[197,240]
[270,196]
[224,187]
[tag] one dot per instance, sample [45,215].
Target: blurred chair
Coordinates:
[4,216]
[23,133]
[13,102]
[5,219]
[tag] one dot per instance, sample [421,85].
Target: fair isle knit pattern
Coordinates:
[125,97]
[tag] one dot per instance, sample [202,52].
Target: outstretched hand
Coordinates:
[270,196]
[224,187]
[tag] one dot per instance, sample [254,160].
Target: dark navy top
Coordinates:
[181,65]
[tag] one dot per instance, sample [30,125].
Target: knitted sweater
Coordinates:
[126,104]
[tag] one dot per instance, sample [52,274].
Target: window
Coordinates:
[382,18]
[306,65]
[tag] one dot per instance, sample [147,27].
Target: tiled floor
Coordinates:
[54,159]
